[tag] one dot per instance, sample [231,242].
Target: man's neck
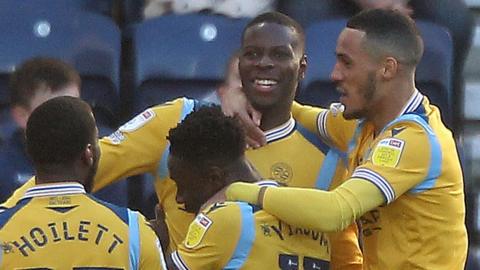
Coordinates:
[390,107]
[52,175]
[276,116]
[242,172]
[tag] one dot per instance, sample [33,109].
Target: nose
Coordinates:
[265,62]
[336,75]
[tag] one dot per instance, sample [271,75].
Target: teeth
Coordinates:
[265,82]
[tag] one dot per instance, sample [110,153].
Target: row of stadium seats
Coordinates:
[172,56]
[177,55]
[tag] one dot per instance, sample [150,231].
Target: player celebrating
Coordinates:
[406,182]
[230,235]
[55,217]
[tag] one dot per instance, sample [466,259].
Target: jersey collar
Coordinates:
[56,189]
[413,103]
[281,131]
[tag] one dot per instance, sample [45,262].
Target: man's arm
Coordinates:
[406,156]
[151,251]
[325,211]
[138,145]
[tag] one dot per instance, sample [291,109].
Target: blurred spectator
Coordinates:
[229,8]
[34,82]
[452,14]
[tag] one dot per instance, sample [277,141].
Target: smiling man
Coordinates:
[405,182]
[271,63]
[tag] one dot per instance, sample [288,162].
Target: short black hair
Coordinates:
[390,32]
[59,130]
[278,18]
[37,73]
[207,137]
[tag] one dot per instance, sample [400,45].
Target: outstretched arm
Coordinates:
[326,211]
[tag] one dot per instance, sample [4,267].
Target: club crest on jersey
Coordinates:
[281,172]
[388,152]
[197,230]
[138,121]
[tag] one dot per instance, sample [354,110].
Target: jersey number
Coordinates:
[291,262]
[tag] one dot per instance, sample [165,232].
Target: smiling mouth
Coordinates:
[265,84]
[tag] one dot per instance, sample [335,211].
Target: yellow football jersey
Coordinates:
[58,226]
[235,235]
[414,163]
[294,155]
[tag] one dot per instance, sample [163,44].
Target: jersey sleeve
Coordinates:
[407,157]
[138,146]
[211,239]
[329,124]
[18,194]
[151,252]
[306,115]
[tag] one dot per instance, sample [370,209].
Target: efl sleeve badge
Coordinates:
[197,230]
[388,152]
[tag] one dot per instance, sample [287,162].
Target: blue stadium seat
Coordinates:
[433,76]
[90,42]
[95,6]
[182,55]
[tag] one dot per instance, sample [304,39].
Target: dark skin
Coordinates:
[81,170]
[271,63]
[198,190]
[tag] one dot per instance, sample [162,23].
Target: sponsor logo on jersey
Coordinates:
[388,152]
[5,248]
[116,137]
[138,121]
[197,230]
[281,172]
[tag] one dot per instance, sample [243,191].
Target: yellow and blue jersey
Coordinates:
[58,226]
[414,163]
[236,235]
[294,156]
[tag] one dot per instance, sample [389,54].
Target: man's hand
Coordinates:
[160,227]
[235,104]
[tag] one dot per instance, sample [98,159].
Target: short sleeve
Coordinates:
[211,239]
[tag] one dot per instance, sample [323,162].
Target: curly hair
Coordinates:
[207,137]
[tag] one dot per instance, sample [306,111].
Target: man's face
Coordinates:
[355,74]
[271,64]
[192,189]
[42,95]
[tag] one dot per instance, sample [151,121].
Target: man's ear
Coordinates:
[390,68]
[303,67]
[216,178]
[20,115]
[88,155]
